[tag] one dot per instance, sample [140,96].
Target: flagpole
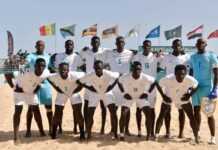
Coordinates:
[139,36]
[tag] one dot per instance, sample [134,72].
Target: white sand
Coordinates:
[71,142]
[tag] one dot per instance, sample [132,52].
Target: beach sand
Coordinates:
[68,141]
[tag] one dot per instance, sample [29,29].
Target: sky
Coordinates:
[24,17]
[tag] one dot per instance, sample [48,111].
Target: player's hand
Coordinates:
[144,96]
[18,89]
[213,94]
[186,97]
[127,96]
[167,99]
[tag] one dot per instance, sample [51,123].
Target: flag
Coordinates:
[173,33]
[10,43]
[154,33]
[90,31]
[47,30]
[68,30]
[110,32]
[213,34]
[133,32]
[197,32]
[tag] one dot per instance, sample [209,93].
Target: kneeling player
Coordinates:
[135,86]
[65,84]
[179,89]
[100,82]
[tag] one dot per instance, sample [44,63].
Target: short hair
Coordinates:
[180,67]
[63,63]
[135,63]
[95,37]
[146,41]
[176,40]
[97,62]
[119,37]
[68,41]
[39,60]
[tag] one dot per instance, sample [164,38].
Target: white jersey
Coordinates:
[89,57]
[29,81]
[136,87]
[74,60]
[100,83]
[175,90]
[118,62]
[149,63]
[66,85]
[170,61]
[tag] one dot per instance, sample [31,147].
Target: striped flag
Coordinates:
[47,30]
[196,33]
[90,31]
[68,30]
[107,33]
[213,34]
[10,44]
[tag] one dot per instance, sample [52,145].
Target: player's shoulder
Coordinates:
[147,77]
[111,73]
[189,78]
[76,74]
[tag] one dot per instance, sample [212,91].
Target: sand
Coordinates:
[70,141]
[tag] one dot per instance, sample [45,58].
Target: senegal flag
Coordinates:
[47,30]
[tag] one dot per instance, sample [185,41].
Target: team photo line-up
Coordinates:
[115,78]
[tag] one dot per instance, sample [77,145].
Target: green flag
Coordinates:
[173,33]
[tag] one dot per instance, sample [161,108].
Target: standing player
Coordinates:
[65,84]
[135,86]
[74,61]
[89,56]
[100,82]
[204,67]
[25,86]
[177,88]
[119,61]
[168,63]
[149,66]
[44,93]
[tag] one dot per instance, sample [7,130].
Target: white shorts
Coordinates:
[178,104]
[152,98]
[140,103]
[117,96]
[94,99]
[25,98]
[61,99]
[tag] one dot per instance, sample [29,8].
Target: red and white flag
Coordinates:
[196,33]
[213,34]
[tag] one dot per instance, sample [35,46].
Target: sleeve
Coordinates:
[79,61]
[28,58]
[193,82]
[150,79]
[214,61]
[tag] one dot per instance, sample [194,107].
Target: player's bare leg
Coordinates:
[189,111]
[164,111]
[78,117]
[90,121]
[114,119]
[103,116]
[56,120]
[38,118]
[49,114]
[181,122]
[123,120]
[29,117]
[16,121]
[139,120]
